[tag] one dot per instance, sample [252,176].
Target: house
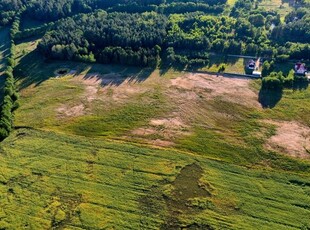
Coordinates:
[300,69]
[251,65]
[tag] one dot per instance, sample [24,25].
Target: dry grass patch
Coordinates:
[291,138]
[74,111]
[235,89]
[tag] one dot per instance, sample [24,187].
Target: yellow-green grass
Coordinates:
[87,172]
[49,179]
[293,105]
[282,7]
[232,64]
[231,2]
[237,137]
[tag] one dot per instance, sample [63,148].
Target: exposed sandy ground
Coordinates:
[113,87]
[234,89]
[165,129]
[291,138]
[186,93]
[119,87]
[67,111]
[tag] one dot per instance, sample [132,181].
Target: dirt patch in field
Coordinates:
[113,86]
[162,132]
[191,101]
[291,138]
[235,89]
[67,111]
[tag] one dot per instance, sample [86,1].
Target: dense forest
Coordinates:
[141,32]
[50,10]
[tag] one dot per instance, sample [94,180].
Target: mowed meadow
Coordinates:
[114,147]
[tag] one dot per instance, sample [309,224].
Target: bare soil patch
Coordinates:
[189,95]
[291,138]
[235,89]
[114,85]
[67,111]
[166,130]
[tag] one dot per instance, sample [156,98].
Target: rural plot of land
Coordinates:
[281,6]
[116,147]
[50,180]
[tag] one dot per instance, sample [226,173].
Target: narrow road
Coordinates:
[257,64]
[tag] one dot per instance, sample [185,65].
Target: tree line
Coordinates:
[107,38]
[10,93]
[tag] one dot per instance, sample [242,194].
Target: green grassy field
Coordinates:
[63,181]
[77,159]
[282,7]
[232,64]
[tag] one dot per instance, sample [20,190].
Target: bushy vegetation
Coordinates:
[274,81]
[277,81]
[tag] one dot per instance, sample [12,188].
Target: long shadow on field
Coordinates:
[300,84]
[4,47]
[33,68]
[269,98]
[115,75]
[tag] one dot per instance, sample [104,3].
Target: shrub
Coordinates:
[3,133]
[274,81]
[267,68]
[282,58]
[289,80]
[222,68]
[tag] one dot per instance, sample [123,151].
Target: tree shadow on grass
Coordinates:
[269,98]
[115,75]
[301,83]
[34,69]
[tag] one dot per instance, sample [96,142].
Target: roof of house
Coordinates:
[300,67]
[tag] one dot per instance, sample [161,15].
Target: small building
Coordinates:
[300,69]
[251,65]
